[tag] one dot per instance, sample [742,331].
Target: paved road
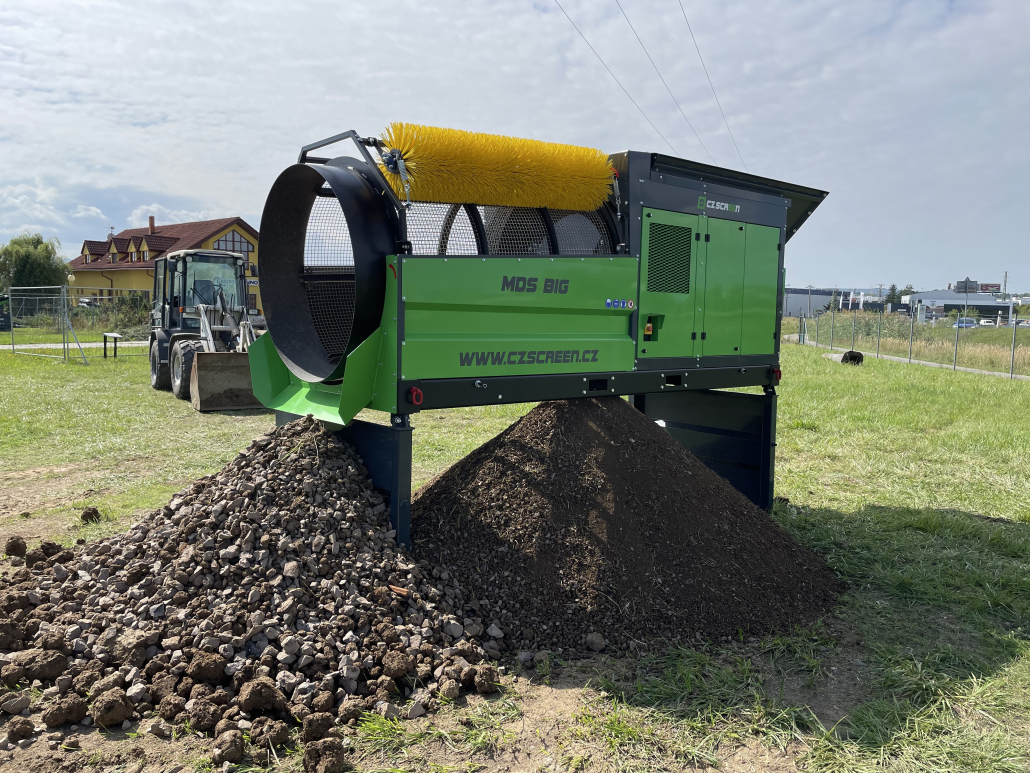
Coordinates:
[71,345]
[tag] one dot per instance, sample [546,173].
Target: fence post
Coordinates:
[954,365]
[911,333]
[816,331]
[879,315]
[854,319]
[831,329]
[1012,358]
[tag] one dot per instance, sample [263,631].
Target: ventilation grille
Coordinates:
[668,258]
[440,229]
[332,309]
[581,233]
[327,245]
[515,231]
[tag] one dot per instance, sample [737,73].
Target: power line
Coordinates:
[711,84]
[638,107]
[662,79]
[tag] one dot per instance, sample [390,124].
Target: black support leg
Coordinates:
[734,434]
[386,451]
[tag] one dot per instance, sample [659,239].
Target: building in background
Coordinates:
[939,302]
[125,261]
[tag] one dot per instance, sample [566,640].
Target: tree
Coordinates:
[909,289]
[893,296]
[30,260]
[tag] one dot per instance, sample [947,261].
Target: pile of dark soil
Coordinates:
[586,518]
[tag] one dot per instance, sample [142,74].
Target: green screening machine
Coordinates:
[404,278]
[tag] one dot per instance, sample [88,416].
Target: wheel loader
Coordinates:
[201,329]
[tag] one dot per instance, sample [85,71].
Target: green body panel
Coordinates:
[761,278]
[671,272]
[724,287]
[384,394]
[480,317]
[276,387]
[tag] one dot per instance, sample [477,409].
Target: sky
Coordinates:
[915,116]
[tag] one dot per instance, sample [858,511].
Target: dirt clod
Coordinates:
[90,515]
[325,756]
[15,546]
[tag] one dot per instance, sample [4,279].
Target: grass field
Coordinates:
[983,348]
[911,482]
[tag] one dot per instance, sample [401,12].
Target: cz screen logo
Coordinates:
[705,203]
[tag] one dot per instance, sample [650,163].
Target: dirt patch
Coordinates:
[584,516]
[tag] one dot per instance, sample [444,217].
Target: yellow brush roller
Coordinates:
[459,167]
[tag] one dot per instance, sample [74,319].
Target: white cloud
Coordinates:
[140,215]
[913,113]
[83,210]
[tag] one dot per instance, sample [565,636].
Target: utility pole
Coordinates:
[810,300]
[1005,286]
[879,293]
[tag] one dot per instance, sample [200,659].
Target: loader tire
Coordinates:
[159,378]
[181,366]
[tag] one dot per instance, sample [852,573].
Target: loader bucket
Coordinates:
[221,382]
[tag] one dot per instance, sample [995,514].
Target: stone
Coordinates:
[15,546]
[316,726]
[262,694]
[207,667]
[454,629]
[494,632]
[138,693]
[450,689]
[203,714]
[291,569]
[68,709]
[228,747]
[157,727]
[414,710]
[15,704]
[595,641]
[19,728]
[397,664]
[111,709]
[324,756]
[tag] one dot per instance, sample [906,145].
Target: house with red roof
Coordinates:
[125,261]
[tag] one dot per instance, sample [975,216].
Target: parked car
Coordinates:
[987,323]
[1023,323]
[965,322]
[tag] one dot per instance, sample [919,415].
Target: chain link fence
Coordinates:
[62,323]
[959,342]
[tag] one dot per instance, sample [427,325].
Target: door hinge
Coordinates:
[708,237]
[703,335]
[693,336]
[697,236]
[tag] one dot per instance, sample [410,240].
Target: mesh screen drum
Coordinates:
[516,231]
[325,236]
[581,233]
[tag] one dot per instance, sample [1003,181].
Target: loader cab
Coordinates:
[184,281]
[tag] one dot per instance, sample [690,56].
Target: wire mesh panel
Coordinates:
[440,229]
[328,250]
[581,233]
[327,244]
[515,231]
[668,258]
[332,310]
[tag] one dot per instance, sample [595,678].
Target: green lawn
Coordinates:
[911,482]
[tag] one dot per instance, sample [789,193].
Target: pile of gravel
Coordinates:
[269,592]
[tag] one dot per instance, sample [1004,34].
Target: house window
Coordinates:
[86,256]
[234,242]
[145,254]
